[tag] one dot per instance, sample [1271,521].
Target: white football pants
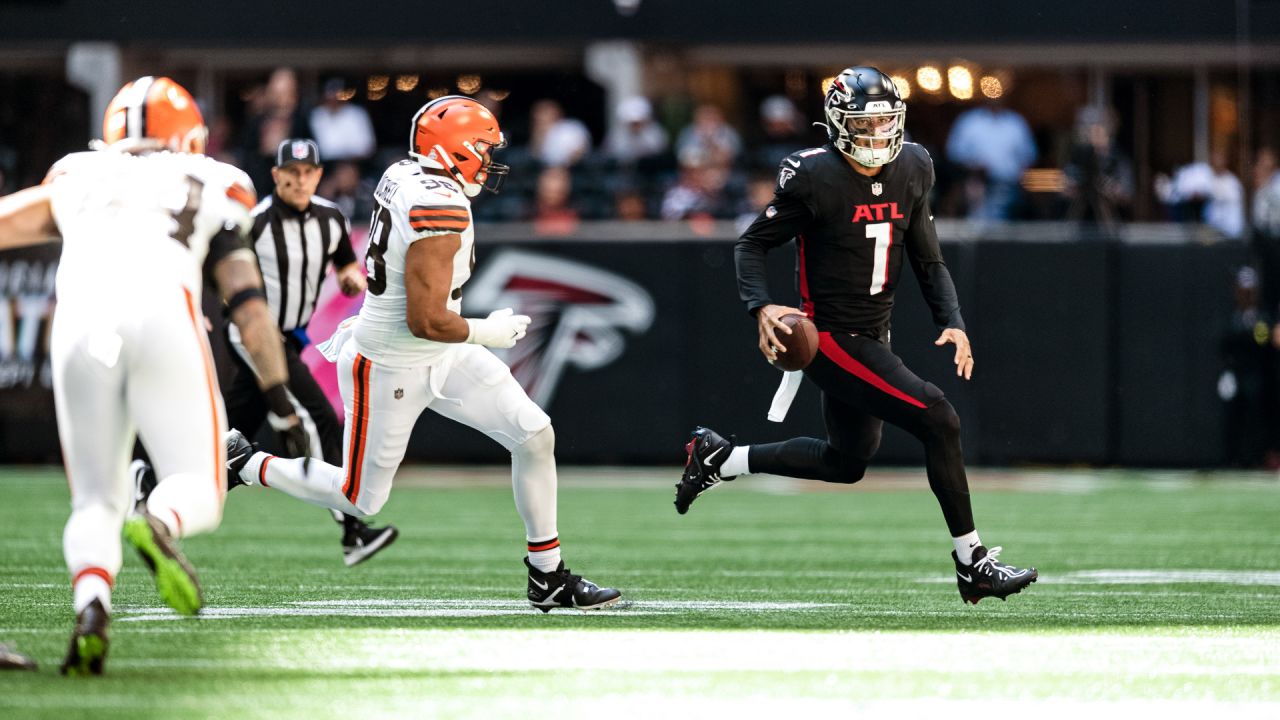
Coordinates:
[470,385]
[125,367]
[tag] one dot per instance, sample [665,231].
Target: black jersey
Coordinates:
[851,232]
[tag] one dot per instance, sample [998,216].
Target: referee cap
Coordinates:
[297,150]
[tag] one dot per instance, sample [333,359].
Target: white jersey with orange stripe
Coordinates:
[411,205]
[135,223]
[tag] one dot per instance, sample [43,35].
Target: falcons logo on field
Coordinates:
[578,312]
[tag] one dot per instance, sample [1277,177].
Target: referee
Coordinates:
[296,235]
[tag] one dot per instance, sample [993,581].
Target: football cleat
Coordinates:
[706,452]
[11,659]
[175,578]
[239,450]
[89,641]
[361,542]
[562,589]
[988,577]
[144,481]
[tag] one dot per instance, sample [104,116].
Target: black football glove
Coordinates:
[284,420]
[296,442]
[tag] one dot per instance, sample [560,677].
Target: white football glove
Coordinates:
[500,330]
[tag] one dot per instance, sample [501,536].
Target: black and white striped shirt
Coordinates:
[294,249]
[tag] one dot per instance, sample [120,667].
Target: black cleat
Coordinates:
[175,578]
[239,450]
[706,452]
[11,659]
[89,641]
[987,577]
[144,481]
[562,588]
[361,542]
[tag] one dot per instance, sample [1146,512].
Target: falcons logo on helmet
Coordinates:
[578,313]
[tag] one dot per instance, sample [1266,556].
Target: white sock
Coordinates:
[252,469]
[736,463]
[545,554]
[88,587]
[320,484]
[533,481]
[965,545]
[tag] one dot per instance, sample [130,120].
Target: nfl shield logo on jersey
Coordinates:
[876,189]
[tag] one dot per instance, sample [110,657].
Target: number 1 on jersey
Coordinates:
[883,235]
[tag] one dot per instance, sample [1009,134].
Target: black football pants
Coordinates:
[247,408]
[864,384]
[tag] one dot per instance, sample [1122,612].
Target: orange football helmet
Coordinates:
[155,110]
[459,135]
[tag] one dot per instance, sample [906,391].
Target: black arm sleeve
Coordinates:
[928,265]
[343,255]
[786,217]
[225,242]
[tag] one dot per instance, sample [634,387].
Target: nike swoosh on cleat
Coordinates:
[964,577]
[544,586]
[710,457]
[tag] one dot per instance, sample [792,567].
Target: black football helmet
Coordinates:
[866,118]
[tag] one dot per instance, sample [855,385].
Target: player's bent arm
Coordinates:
[784,218]
[350,280]
[26,218]
[240,286]
[925,256]
[428,275]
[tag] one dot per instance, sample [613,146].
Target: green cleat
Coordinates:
[89,642]
[175,578]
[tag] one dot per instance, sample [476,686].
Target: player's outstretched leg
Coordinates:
[315,481]
[560,588]
[706,452]
[89,642]
[175,578]
[988,577]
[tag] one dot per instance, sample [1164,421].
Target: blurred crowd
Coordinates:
[655,160]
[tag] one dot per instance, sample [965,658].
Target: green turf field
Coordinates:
[1159,593]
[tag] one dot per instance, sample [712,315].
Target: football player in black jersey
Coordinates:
[856,208]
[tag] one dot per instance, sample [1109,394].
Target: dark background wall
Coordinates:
[1087,352]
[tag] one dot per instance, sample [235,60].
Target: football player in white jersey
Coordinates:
[410,350]
[142,219]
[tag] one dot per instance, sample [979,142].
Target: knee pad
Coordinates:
[541,444]
[842,467]
[943,420]
[869,447]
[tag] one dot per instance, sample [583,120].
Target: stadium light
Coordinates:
[991,86]
[929,79]
[904,87]
[377,87]
[960,82]
[406,83]
[469,84]
[826,84]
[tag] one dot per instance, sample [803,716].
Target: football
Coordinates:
[801,344]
